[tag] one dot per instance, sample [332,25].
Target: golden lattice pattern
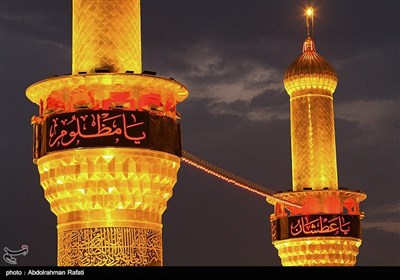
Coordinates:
[313,142]
[99,194]
[109,178]
[110,246]
[319,251]
[106,35]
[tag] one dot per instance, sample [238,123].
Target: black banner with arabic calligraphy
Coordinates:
[107,128]
[316,225]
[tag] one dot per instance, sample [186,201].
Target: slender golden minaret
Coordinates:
[326,229]
[107,142]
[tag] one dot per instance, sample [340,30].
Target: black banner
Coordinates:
[316,225]
[105,128]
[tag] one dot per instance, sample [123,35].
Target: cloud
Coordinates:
[53,44]
[21,18]
[232,83]
[385,218]
[236,81]
[378,118]
[27,19]
[370,74]
[211,72]
[266,106]
[386,209]
[367,113]
[384,226]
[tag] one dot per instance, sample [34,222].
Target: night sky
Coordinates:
[232,56]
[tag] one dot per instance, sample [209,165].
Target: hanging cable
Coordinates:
[233,179]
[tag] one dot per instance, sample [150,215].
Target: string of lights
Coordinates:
[231,178]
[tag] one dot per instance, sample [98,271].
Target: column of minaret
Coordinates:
[326,229]
[107,142]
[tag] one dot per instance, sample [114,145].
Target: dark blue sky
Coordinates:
[232,56]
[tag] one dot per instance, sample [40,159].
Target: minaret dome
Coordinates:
[310,70]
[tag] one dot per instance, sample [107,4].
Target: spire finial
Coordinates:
[309,43]
[309,15]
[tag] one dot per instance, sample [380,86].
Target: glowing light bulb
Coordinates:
[310,11]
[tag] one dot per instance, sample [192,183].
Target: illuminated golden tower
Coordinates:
[107,142]
[326,229]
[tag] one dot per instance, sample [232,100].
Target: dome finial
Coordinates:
[310,70]
[309,43]
[309,14]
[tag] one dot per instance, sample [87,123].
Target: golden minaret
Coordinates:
[326,230]
[107,142]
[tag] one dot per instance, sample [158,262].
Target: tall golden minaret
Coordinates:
[326,230]
[107,142]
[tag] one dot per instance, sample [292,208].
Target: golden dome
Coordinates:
[310,71]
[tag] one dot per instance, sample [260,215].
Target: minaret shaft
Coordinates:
[106,36]
[313,140]
[107,142]
[326,230]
